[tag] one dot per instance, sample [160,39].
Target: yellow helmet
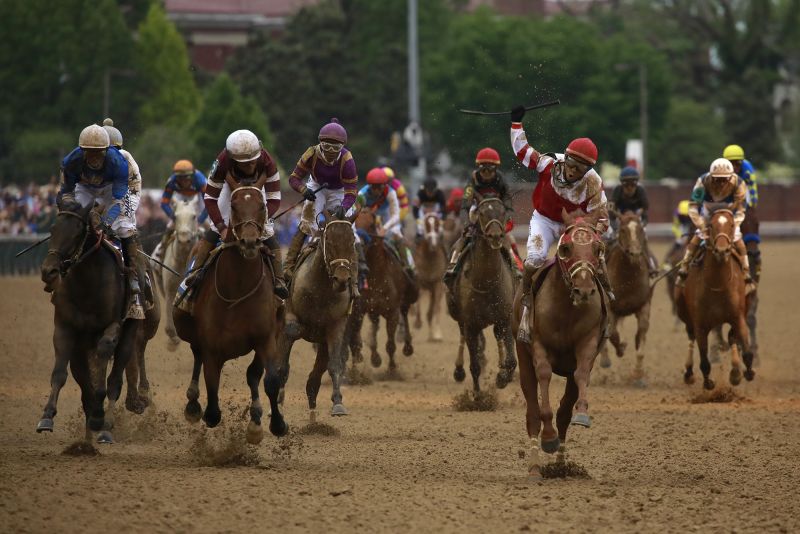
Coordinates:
[733,153]
[683,207]
[389,172]
[183,167]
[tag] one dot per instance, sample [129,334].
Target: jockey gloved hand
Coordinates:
[105,227]
[338,212]
[517,114]
[309,195]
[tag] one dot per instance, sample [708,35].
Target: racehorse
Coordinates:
[451,227]
[713,295]
[89,292]
[483,293]
[430,258]
[628,271]
[390,294]
[318,307]
[235,312]
[567,324]
[176,256]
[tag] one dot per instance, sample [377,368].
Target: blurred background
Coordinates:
[664,84]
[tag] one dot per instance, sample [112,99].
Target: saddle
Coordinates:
[302,256]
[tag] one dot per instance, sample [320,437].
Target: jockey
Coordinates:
[630,196]
[186,184]
[429,198]
[720,185]
[484,182]
[454,201]
[97,172]
[381,199]
[400,190]
[328,164]
[566,181]
[246,161]
[746,171]
[681,224]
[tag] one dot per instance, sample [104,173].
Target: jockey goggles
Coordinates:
[581,167]
[331,147]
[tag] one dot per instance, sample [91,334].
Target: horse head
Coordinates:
[185,221]
[367,222]
[67,239]
[492,218]
[248,216]
[338,242]
[433,228]
[579,250]
[722,228]
[630,236]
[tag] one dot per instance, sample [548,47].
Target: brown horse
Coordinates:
[318,307]
[713,295]
[88,284]
[390,294]
[430,258]
[451,227]
[235,312]
[628,271]
[567,324]
[482,295]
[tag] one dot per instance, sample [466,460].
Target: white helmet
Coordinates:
[721,167]
[93,136]
[243,145]
[114,135]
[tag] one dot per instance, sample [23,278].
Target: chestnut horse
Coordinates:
[482,295]
[430,258]
[628,271]
[235,312]
[390,294]
[567,325]
[713,295]
[318,308]
[89,296]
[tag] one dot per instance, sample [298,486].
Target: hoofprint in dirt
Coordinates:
[407,460]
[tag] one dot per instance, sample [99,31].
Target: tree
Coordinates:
[167,88]
[39,153]
[158,148]
[225,110]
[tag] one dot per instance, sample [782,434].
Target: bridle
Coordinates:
[252,221]
[65,264]
[433,234]
[485,226]
[331,265]
[715,236]
[579,233]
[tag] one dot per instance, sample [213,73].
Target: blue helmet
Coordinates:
[629,174]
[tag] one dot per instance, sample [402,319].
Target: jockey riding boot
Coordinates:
[277,268]
[291,255]
[749,283]
[161,249]
[204,248]
[683,270]
[408,261]
[455,260]
[131,254]
[602,277]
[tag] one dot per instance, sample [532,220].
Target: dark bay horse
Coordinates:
[390,294]
[567,326]
[628,271]
[235,312]
[430,258]
[482,295]
[318,307]
[714,295]
[89,295]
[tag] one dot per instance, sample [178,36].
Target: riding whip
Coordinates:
[151,258]
[293,206]
[664,274]
[31,247]
[500,113]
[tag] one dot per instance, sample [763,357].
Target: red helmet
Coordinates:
[487,155]
[584,149]
[377,176]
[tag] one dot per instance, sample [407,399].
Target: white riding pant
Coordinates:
[224,203]
[327,199]
[542,233]
[125,223]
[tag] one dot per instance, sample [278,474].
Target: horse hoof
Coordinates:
[749,375]
[605,361]
[735,377]
[621,349]
[375,359]
[173,344]
[212,419]
[45,425]
[459,374]
[688,378]
[193,411]
[278,427]
[339,409]
[105,437]
[503,378]
[582,419]
[135,405]
[551,446]
[708,384]
[408,349]
[255,433]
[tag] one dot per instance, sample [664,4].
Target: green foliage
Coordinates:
[225,110]
[157,149]
[168,90]
[42,151]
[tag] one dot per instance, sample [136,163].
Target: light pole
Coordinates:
[643,120]
[414,128]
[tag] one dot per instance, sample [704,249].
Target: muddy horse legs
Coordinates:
[255,432]
[507,362]
[475,357]
[271,361]
[584,359]
[193,409]
[211,371]
[64,347]
[549,438]
[705,365]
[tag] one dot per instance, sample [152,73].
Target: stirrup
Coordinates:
[135,309]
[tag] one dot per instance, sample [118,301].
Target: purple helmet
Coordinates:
[333,130]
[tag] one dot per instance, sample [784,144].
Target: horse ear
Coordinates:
[568,218]
[261,181]
[230,181]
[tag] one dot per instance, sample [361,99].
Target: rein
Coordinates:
[569,271]
[65,265]
[259,226]
[330,265]
[485,227]
[233,302]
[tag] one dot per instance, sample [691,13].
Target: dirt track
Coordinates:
[404,459]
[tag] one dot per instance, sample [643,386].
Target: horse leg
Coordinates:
[353,335]
[718,346]
[529,385]
[144,384]
[742,334]
[688,374]
[212,368]
[336,366]
[705,364]
[124,354]
[435,311]
[619,345]
[584,360]
[473,346]
[417,315]
[64,345]
[374,358]
[271,361]
[564,414]
[79,366]
[255,432]
[408,348]
[549,441]
[193,409]
[458,374]
[752,323]
[507,362]
[132,402]
[392,320]
[315,378]
[642,327]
